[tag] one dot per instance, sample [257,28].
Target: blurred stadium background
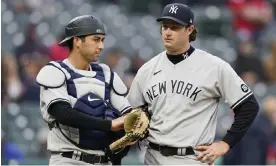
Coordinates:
[242,32]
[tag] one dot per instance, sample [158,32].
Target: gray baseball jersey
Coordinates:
[83,83]
[183,98]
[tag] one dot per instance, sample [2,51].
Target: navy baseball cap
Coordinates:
[179,13]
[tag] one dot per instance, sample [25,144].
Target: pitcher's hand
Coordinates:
[212,152]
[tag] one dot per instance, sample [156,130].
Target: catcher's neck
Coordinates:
[77,61]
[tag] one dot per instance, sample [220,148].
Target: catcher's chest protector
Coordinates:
[89,93]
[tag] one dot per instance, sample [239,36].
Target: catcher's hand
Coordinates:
[135,125]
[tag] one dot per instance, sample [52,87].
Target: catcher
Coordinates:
[83,101]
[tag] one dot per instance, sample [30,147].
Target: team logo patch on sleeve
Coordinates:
[244,88]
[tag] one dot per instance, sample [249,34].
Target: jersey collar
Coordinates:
[89,73]
[180,57]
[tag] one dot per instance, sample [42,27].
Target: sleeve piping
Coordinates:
[57,100]
[126,110]
[241,100]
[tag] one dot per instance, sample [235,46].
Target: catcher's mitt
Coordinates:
[136,125]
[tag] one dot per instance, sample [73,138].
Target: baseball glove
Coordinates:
[136,127]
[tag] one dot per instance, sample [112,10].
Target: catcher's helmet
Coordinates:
[179,13]
[82,25]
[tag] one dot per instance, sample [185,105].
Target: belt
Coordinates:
[170,151]
[88,158]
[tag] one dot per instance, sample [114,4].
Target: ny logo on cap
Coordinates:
[99,31]
[173,9]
